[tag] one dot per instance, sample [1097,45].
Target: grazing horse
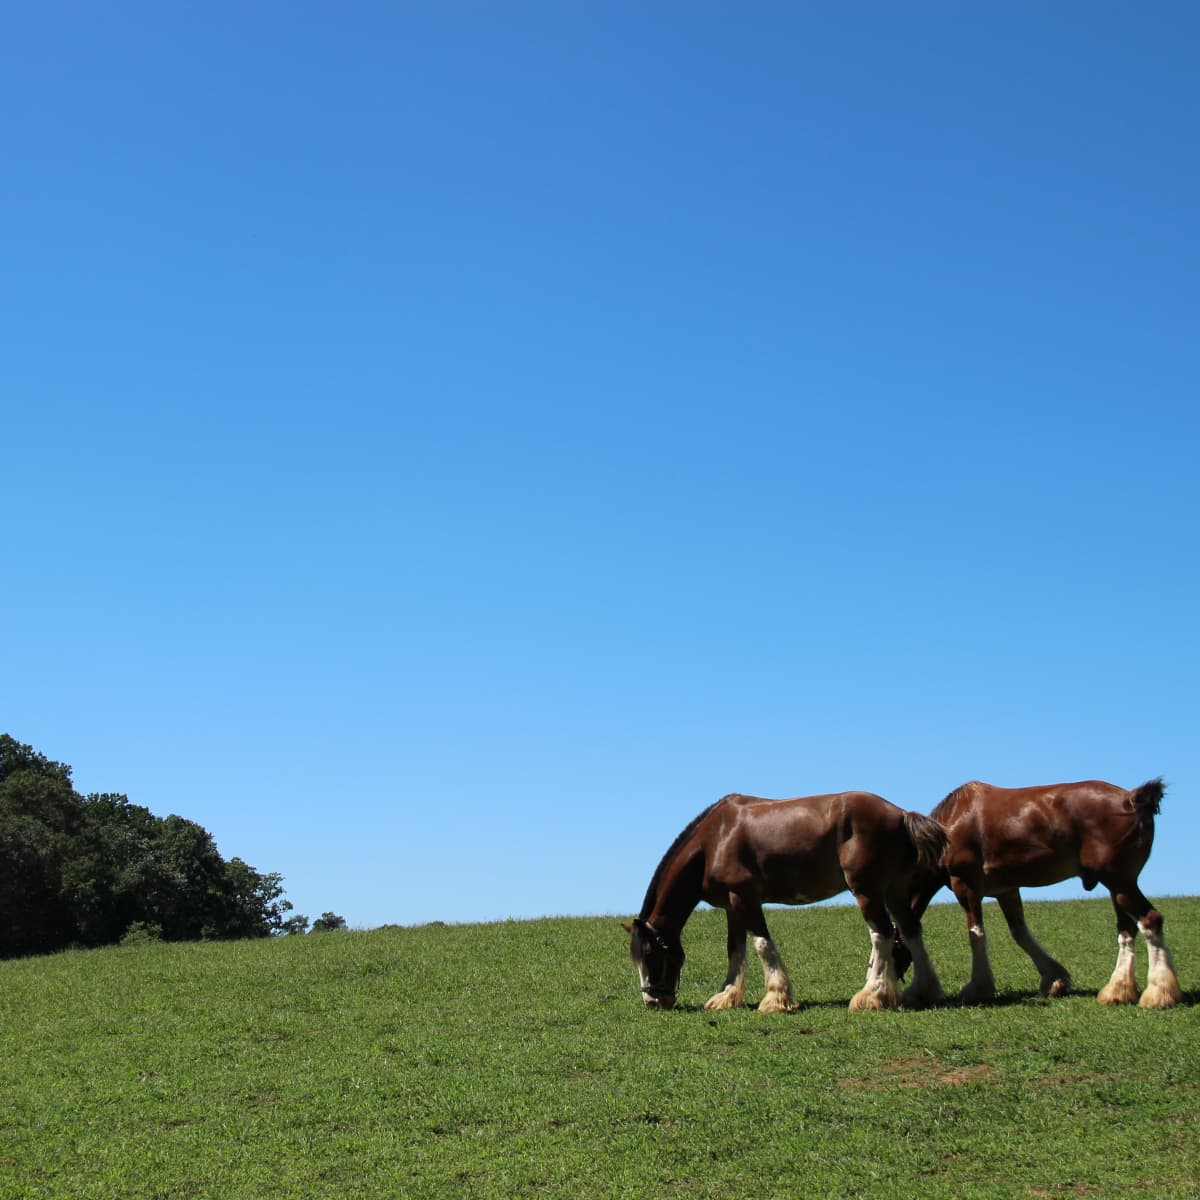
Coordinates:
[1003,839]
[743,852]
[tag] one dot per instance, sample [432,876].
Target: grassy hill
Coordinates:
[516,1060]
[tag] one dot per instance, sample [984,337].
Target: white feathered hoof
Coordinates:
[777,1002]
[1166,994]
[875,999]
[726,999]
[1118,991]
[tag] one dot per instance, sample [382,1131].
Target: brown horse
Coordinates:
[744,852]
[1003,839]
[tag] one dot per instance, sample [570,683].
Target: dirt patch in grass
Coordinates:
[917,1073]
[1067,1078]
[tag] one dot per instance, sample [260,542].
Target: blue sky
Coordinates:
[446,446]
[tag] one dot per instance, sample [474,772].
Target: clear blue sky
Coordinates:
[445,446]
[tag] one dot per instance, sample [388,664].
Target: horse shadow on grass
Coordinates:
[1009,998]
[752,1007]
[1012,997]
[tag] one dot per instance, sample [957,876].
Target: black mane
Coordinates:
[656,878]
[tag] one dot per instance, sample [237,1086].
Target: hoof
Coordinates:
[723,1000]
[912,998]
[1059,986]
[1160,995]
[874,1000]
[777,1002]
[974,993]
[1121,991]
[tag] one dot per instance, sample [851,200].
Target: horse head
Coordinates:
[659,961]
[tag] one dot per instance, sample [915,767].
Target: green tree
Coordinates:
[123,838]
[257,907]
[41,875]
[86,871]
[328,922]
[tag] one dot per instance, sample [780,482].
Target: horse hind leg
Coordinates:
[1162,984]
[1122,987]
[882,988]
[1054,977]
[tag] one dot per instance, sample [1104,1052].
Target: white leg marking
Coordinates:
[882,988]
[925,988]
[1122,986]
[775,976]
[1162,984]
[983,983]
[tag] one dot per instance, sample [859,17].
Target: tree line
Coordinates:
[93,870]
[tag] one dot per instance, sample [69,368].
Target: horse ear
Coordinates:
[627,928]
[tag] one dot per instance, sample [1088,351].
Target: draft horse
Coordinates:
[743,852]
[1004,839]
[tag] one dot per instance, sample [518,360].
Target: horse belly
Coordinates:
[1031,871]
[803,887]
[1033,843]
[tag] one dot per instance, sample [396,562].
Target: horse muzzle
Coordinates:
[655,998]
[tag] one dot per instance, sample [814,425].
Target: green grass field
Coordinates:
[516,1060]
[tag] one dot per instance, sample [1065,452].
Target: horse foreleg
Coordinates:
[908,913]
[1122,987]
[733,992]
[982,985]
[779,996]
[1054,978]
[925,988]
[882,988]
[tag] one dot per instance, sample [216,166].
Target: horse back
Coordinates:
[1036,835]
[798,850]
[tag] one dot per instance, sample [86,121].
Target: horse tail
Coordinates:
[1146,800]
[929,840]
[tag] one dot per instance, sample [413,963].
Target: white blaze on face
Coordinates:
[643,976]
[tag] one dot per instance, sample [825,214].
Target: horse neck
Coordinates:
[676,892]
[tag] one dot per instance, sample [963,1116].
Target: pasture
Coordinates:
[516,1060]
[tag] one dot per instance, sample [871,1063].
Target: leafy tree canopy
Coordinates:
[86,870]
[328,922]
